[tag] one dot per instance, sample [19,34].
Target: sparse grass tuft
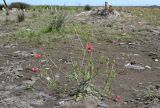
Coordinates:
[28,36]
[56,23]
[20,16]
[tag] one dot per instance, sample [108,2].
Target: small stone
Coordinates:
[28,29]
[138,99]
[43,95]
[125,103]
[17,52]
[22,53]
[134,66]
[102,105]
[29,82]
[136,54]
[3,82]
[10,46]
[61,103]
[37,102]
[48,78]
[19,69]
[122,43]
[43,61]
[47,68]
[20,76]
[131,43]
[57,77]
[140,83]
[153,54]
[156,60]
[148,67]
[20,87]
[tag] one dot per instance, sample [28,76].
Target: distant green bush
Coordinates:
[19,5]
[87,8]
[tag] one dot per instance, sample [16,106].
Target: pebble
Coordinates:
[36,102]
[57,77]
[10,46]
[140,83]
[47,68]
[43,61]
[19,69]
[148,67]
[20,76]
[61,103]
[22,53]
[20,87]
[134,66]
[131,43]
[29,82]
[156,60]
[102,105]
[3,82]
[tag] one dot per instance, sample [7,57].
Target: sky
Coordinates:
[90,2]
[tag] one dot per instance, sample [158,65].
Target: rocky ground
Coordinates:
[137,67]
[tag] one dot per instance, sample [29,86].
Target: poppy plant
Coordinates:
[89,47]
[34,69]
[118,98]
[37,56]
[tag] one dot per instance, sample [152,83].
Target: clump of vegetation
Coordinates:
[19,5]
[28,35]
[87,8]
[20,16]
[56,23]
[82,73]
[150,93]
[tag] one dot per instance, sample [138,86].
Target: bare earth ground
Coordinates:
[139,88]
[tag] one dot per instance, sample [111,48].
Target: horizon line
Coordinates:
[77,4]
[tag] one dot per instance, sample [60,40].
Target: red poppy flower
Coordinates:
[37,56]
[118,98]
[34,69]
[89,47]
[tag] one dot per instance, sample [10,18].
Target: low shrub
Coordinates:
[56,23]
[20,16]
[19,5]
[87,8]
